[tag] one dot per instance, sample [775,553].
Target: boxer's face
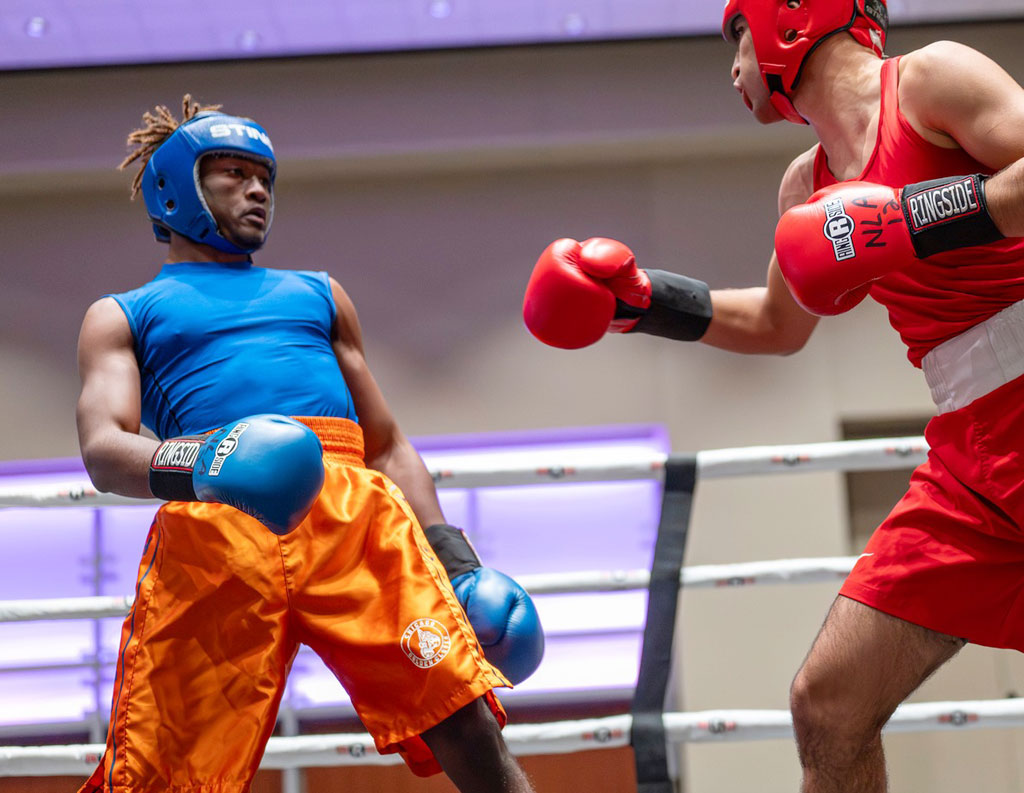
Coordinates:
[240,197]
[746,75]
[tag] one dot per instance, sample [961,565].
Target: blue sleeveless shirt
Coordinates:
[217,342]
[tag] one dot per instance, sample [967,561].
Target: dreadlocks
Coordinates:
[159,124]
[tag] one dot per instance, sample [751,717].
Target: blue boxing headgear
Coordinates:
[170,182]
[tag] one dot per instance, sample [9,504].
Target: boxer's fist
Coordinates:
[576,288]
[849,235]
[614,264]
[502,614]
[504,619]
[845,237]
[268,466]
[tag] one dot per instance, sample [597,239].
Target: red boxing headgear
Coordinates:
[786,32]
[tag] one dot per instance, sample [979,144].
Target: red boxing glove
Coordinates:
[575,289]
[613,262]
[833,247]
[851,234]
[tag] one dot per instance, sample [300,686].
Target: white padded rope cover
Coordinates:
[560,737]
[783,571]
[518,469]
[27,610]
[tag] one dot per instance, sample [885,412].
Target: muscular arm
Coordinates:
[766,319]
[955,95]
[109,407]
[387,448]
[760,320]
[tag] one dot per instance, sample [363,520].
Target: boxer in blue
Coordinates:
[294,503]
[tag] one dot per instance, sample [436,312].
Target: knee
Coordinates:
[826,706]
[811,708]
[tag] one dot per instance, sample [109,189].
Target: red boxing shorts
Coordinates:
[223,604]
[950,556]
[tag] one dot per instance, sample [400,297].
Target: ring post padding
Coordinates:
[648,738]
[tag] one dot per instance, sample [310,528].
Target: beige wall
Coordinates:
[427,184]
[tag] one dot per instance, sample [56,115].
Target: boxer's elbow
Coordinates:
[110,468]
[790,331]
[98,465]
[790,345]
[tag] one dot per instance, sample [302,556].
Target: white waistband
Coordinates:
[977,361]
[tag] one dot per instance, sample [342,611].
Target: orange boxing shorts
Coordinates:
[950,555]
[222,605]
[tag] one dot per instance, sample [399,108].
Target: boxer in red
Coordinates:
[914,195]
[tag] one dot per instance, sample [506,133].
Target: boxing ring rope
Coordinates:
[293,752]
[782,571]
[589,466]
[562,737]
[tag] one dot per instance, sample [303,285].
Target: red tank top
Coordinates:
[934,299]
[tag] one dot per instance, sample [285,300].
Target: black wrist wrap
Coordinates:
[452,549]
[680,307]
[170,470]
[946,214]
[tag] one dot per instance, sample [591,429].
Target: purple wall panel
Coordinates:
[45,552]
[31,643]
[545,529]
[592,613]
[124,538]
[45,697]
[587,664]
[457,506]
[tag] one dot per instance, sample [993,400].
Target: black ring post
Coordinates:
[647,738]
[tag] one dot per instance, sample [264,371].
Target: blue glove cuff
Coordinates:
[452,549]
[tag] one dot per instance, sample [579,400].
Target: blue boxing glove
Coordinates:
[270,467]
[501,612]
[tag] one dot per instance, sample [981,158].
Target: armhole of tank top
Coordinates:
[820,169]
[325,278]
[128,315]
[143,368]
[895,112]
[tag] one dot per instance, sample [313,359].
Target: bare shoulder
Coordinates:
[342,302]
[945,80]
[346,321]
[931,67]
[798,181]
[106,337]
[105,319]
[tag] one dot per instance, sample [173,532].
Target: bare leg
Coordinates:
[470,749]
[862,665]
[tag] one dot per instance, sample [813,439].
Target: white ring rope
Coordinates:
[581,466]
[783,571]
[561,737]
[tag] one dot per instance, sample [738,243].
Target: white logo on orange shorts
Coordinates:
[426,642]
[395,493]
